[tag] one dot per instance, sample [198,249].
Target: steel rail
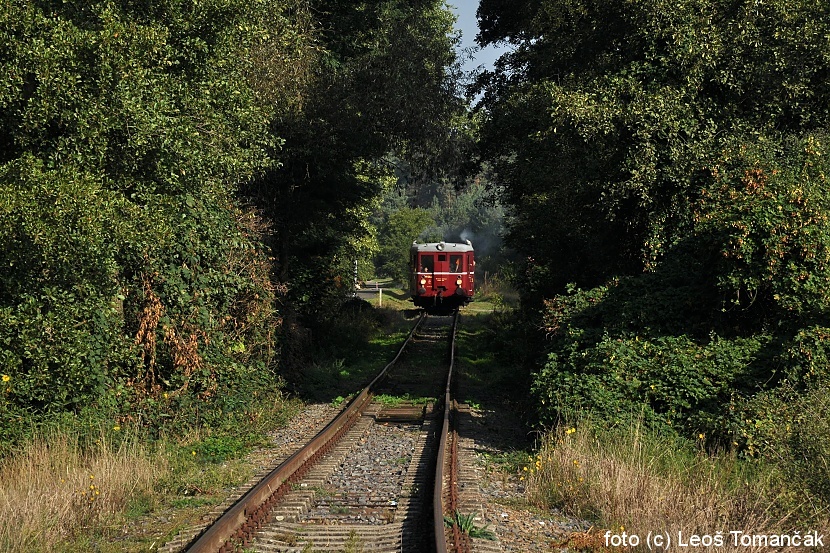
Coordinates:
[238,524]
[439,507]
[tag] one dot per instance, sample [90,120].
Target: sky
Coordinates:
[466,12]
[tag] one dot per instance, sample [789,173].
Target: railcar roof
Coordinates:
[445,247]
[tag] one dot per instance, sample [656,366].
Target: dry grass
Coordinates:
[639,484]
[54,490]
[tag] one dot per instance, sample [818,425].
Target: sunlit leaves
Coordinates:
[617,108]
[377,82]
[668,157]
[125,129]
[772,211]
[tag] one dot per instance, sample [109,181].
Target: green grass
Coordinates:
[140,504]
[394,401]
[391,298]
[191,502]
[217,449]
[512,461]
[357,346]
[468,526]
[487,360]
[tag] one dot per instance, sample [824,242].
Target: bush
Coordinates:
[132,283]
[731,312]
[671,381]
[60,291]
[791,427]
[108,303]
[640,479]
[768,205]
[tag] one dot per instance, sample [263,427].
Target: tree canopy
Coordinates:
[664,167]
[381,83]
[178,177]
[128,266]
[608,115]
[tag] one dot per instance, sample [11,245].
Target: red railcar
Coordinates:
[442,275]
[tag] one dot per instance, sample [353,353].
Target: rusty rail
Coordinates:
[439,506]
[239,523]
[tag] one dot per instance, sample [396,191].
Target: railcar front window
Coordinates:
[427,263]
[455,263]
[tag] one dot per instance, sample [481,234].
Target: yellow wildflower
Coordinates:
[6,378]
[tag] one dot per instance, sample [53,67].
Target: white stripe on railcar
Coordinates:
[428,273]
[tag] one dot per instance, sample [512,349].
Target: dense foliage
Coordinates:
[605,114]
[398,232]
[380,82]
[665,168]
[443,211]
[131,280]
[154,156]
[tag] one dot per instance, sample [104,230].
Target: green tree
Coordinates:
[380,83]
[400,230]
[603,117]
[127,266]
[668,158]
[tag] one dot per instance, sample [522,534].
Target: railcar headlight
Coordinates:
[423,281]
[458,282]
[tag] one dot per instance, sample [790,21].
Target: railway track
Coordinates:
[381,476]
